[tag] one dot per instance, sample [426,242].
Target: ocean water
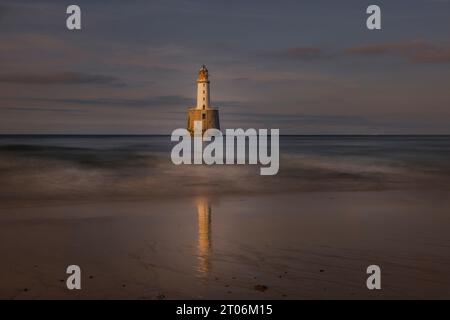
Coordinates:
[95,167]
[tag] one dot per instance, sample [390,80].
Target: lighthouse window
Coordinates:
[203,98]
[203,85]
[203,116]
[203,107]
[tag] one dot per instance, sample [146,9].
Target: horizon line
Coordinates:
[168,135]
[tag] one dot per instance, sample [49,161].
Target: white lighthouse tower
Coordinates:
[203,97]
[203,112]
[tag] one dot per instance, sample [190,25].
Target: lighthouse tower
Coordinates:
[203,111]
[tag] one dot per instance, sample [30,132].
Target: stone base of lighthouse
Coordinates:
[209,118]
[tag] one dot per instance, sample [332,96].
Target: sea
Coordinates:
[102,166]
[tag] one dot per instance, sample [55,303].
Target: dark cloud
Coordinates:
[63,78]
[169,100]
[157,101]
[413,51]
[30,109]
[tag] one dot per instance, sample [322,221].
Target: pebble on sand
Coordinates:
[260,287]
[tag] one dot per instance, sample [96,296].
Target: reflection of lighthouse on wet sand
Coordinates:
[204,234]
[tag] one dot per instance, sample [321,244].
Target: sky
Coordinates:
[304,67]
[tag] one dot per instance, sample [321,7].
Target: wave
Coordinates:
[61,172]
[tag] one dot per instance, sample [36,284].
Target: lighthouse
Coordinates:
[203,111]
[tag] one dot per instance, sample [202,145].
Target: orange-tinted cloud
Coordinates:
[413,51]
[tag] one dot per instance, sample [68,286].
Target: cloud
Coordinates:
[413,51]
[62,78]
[30,109]
[417,51]
[169,100]
[157,101]
[300,119]
[301,53]
[285,77]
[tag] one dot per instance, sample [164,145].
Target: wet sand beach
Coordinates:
[298,246]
